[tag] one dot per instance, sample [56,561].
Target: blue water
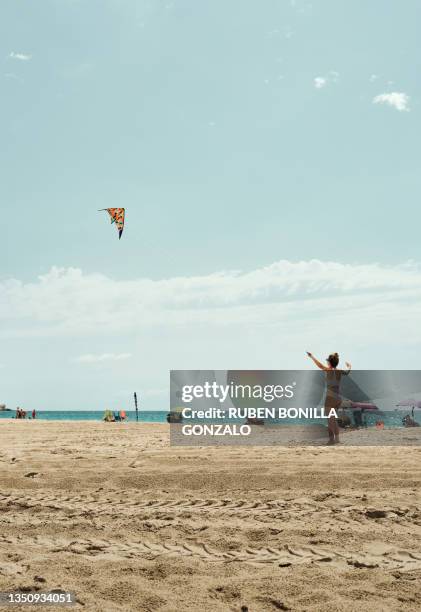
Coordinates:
[391,419]
[145,416]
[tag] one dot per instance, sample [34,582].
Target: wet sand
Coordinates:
[113,513]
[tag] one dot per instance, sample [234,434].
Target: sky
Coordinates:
[267,155]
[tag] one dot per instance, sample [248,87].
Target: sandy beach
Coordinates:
[113,513]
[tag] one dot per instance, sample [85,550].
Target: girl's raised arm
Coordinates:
[317,362]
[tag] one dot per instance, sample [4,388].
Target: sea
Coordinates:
[391,419]
[145,416]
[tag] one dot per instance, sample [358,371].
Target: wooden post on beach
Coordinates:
[135,403]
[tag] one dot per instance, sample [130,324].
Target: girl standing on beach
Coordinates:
[333,397]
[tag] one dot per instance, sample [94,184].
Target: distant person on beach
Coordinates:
[34,414]
[358,417]
[333,396]
[407,421]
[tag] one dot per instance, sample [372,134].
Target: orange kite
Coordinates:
[117,217]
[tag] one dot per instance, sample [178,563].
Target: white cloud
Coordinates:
[320,82]
[263,318]
[90,358]
[306,297]
[398,100]
[23,57]
[373,78]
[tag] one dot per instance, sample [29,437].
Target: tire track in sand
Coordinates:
[284,556]
[125,502]
[132,503]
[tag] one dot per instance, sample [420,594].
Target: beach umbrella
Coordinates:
[362,406]
[409,402]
